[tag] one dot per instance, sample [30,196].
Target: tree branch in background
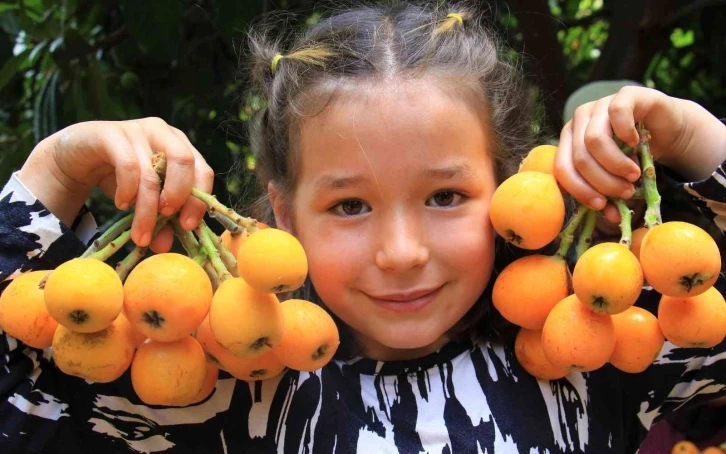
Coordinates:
[603,13]
[111,40]
[539,29]
[688,8]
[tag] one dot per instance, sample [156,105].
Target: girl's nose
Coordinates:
[402,245]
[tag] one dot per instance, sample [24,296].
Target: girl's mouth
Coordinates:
[406,301]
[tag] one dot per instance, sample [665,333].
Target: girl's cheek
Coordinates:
[335,256]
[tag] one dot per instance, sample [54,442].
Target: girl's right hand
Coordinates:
[64,168]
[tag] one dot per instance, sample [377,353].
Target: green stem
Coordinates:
[111,248]
[227,223]
[124,267]
[212,273]
[229,260]
[626,229]
[119,241]
[188,241]
[191,245]
[212,253]
[567,235]
[652,198]
[110,234]
[585,239]
[216,209]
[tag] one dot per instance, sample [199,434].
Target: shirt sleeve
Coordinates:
[31,238]
[683,378]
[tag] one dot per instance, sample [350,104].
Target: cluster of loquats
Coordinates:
[175,320]
[687,447]
[578,311]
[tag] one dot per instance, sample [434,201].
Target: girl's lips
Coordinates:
[406,302]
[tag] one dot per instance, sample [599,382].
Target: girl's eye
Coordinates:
[445,199]
[351,208]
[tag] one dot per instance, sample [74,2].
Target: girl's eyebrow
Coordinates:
[336,182]
[333,182]
[463,171]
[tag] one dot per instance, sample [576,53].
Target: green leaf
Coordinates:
[8,7]
[11,67]
[9,22]
[156,26]
[78,98]
[45,112]
[98,92]
[680,38]
[36,50]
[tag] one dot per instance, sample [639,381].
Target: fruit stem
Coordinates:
[626,229]
[652,198]
[585,240]
[203,232]
[124,267]
[229,260]
[109,235]
[567,236]
[227,223]
[118,241]
[110,249]
[189,242]
[191,245]
[216,209]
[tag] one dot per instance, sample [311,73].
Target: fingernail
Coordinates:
[628,193]
[123,206]
[597,203]
[167,210]
[190,222]
[633,177]
[145,239]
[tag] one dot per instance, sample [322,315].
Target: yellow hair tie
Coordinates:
[275,60]
[457,16]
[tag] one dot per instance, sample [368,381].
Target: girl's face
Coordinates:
[392,208]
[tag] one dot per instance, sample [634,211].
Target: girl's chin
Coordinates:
[402,346]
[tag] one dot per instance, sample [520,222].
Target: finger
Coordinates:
[147,197]
[633,104]
[163,240]
[568,177]
[599,141]
[600,179]
[611,214]
[194,209]
[179,164]
[121,154]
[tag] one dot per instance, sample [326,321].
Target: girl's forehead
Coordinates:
[404,124]
[411,112]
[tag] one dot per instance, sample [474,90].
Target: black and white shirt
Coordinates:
[462,399]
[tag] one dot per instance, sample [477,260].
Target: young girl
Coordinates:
[386,131]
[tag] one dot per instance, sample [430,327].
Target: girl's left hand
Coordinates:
[590,166]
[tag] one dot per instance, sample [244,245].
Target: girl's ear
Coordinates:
[279,208]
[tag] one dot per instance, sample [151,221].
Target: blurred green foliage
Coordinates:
[67,61]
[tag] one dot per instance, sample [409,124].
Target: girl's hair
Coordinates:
[373,43]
